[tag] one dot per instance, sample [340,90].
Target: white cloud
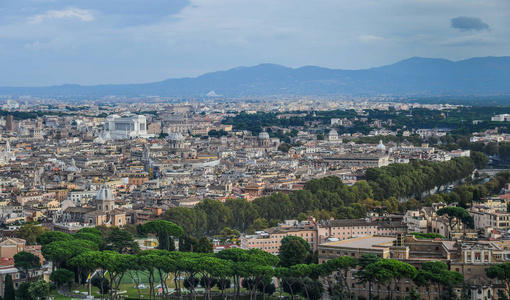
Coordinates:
[369,38]
[70,12]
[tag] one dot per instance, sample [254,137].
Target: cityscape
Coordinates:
[363,157]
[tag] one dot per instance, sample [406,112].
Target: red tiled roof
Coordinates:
[6,262]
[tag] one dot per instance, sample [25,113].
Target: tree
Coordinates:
[479,159]
[204,245]
[92,230]
[293,250]
[388,271]
[39,289]
[259,224]
[29,232]
[285,147]
[62,277]
[26,262]
[53,236]
[96,239]
[102,285]
[218,216]
[22,291]
[454,215]
[243,211]
[437,273]
[9,293]
[121,241]
[341,266]
[192,219]
[364,277]
[164,232]
[501,272]
[60,252]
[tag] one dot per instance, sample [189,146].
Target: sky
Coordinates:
[88,42]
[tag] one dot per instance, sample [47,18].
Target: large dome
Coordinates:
[175,136]
[380,147]
[333,132]
[263,135]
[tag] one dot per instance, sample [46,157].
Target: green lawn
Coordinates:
[131,291]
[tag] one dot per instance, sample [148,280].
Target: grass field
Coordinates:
[128,291]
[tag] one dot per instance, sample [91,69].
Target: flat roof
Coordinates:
[367,242]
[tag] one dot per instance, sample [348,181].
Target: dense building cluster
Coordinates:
[70,167]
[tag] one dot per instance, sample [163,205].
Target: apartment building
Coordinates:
[470,258]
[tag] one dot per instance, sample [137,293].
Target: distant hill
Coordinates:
[412,77]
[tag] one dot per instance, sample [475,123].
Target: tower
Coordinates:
[146,159]
[9,124]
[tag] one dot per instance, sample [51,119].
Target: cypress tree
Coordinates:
[9,288]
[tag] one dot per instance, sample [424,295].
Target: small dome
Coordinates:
[333,132]
[380,146]
[175,136]
[263,135]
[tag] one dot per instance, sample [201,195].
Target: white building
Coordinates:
[501,118]
[127,127]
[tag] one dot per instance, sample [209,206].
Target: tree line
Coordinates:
[323,198]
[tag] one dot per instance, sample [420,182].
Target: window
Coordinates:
[469,270]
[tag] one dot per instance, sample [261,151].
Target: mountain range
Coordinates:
[482,76]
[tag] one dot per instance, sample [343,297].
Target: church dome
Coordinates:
[263,135]
[105,193]
[380,147]
[333,132]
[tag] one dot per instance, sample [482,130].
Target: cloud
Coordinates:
[469,24]
[70,12]
[369,38]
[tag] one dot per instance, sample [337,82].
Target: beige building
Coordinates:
[470,258]
[11,246]
[489,217]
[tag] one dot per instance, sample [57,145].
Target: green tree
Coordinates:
[437,273]
[454,215]
[390,272]
[53,236]
[92,230]
[259,224]
[26,262]
[342,266]
[193,220]
[217,214]
[188,243]
[363,277]
[243,211]
[60,252]
[479,159]
[164,231]
[62,277]
[121,241]
[22,291]
[502,273]
[39,289]
[29,232]
[293,250]
[9,293]
[96,239]
[285,147]
[204,245]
